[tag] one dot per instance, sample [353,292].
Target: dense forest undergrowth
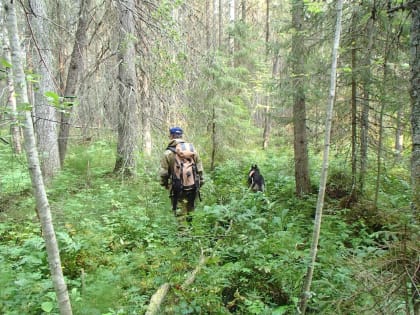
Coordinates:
[119,242]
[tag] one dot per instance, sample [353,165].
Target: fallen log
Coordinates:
[157,299]
[192,275]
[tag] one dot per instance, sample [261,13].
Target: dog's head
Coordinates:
[254,169]
[255,179]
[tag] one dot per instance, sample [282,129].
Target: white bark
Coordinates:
[324,172]
[14,127]
[157,299]
[42,204]
[159,296]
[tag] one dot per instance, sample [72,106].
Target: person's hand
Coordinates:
[164,183]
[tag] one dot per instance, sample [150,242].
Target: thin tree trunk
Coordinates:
[267,26]
[46,114]
[383,99]
[399,134]
[74,75]
[215,23]
[324,172]
[232,25]
[302,180]
[14,126]
[364,132]
[146,114]
[379,155]
[213,139]
[415,107]
[128,122]
[415,127]
[35,170]
[207,13]
[267,115]
[220,20]
[353,193]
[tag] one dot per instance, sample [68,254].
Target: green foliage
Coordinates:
[118,242]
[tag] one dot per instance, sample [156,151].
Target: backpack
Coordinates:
[184,171]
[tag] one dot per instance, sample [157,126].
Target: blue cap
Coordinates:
[175,131]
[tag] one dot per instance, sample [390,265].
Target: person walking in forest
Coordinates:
[181,172]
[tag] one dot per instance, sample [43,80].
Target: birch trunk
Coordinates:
[399,134]
[35,169]
[14,127]
[146,114]
[324,172]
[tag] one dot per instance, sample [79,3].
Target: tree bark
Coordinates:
[415,127]
[35,170]
[415,107]
[213,139]
[324,172]
[267,114]
[127,146]
[146,114]
[364,127]
[353,193]
[399,134]
[383,98]
[74,74]
[209,39]
[46,114]
[232,25]
[157,299]
[220,20]
[302,179]
[14,126]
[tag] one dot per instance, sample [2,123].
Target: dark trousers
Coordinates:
[183,204]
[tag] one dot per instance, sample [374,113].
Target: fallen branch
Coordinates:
[197,269]
[157,299]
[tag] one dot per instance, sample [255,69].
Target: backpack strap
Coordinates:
[172,149]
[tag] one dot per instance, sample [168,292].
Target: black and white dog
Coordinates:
[255,179]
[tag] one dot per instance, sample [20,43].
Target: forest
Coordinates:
[322,95]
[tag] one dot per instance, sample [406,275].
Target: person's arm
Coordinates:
[200,170]
[164,171]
